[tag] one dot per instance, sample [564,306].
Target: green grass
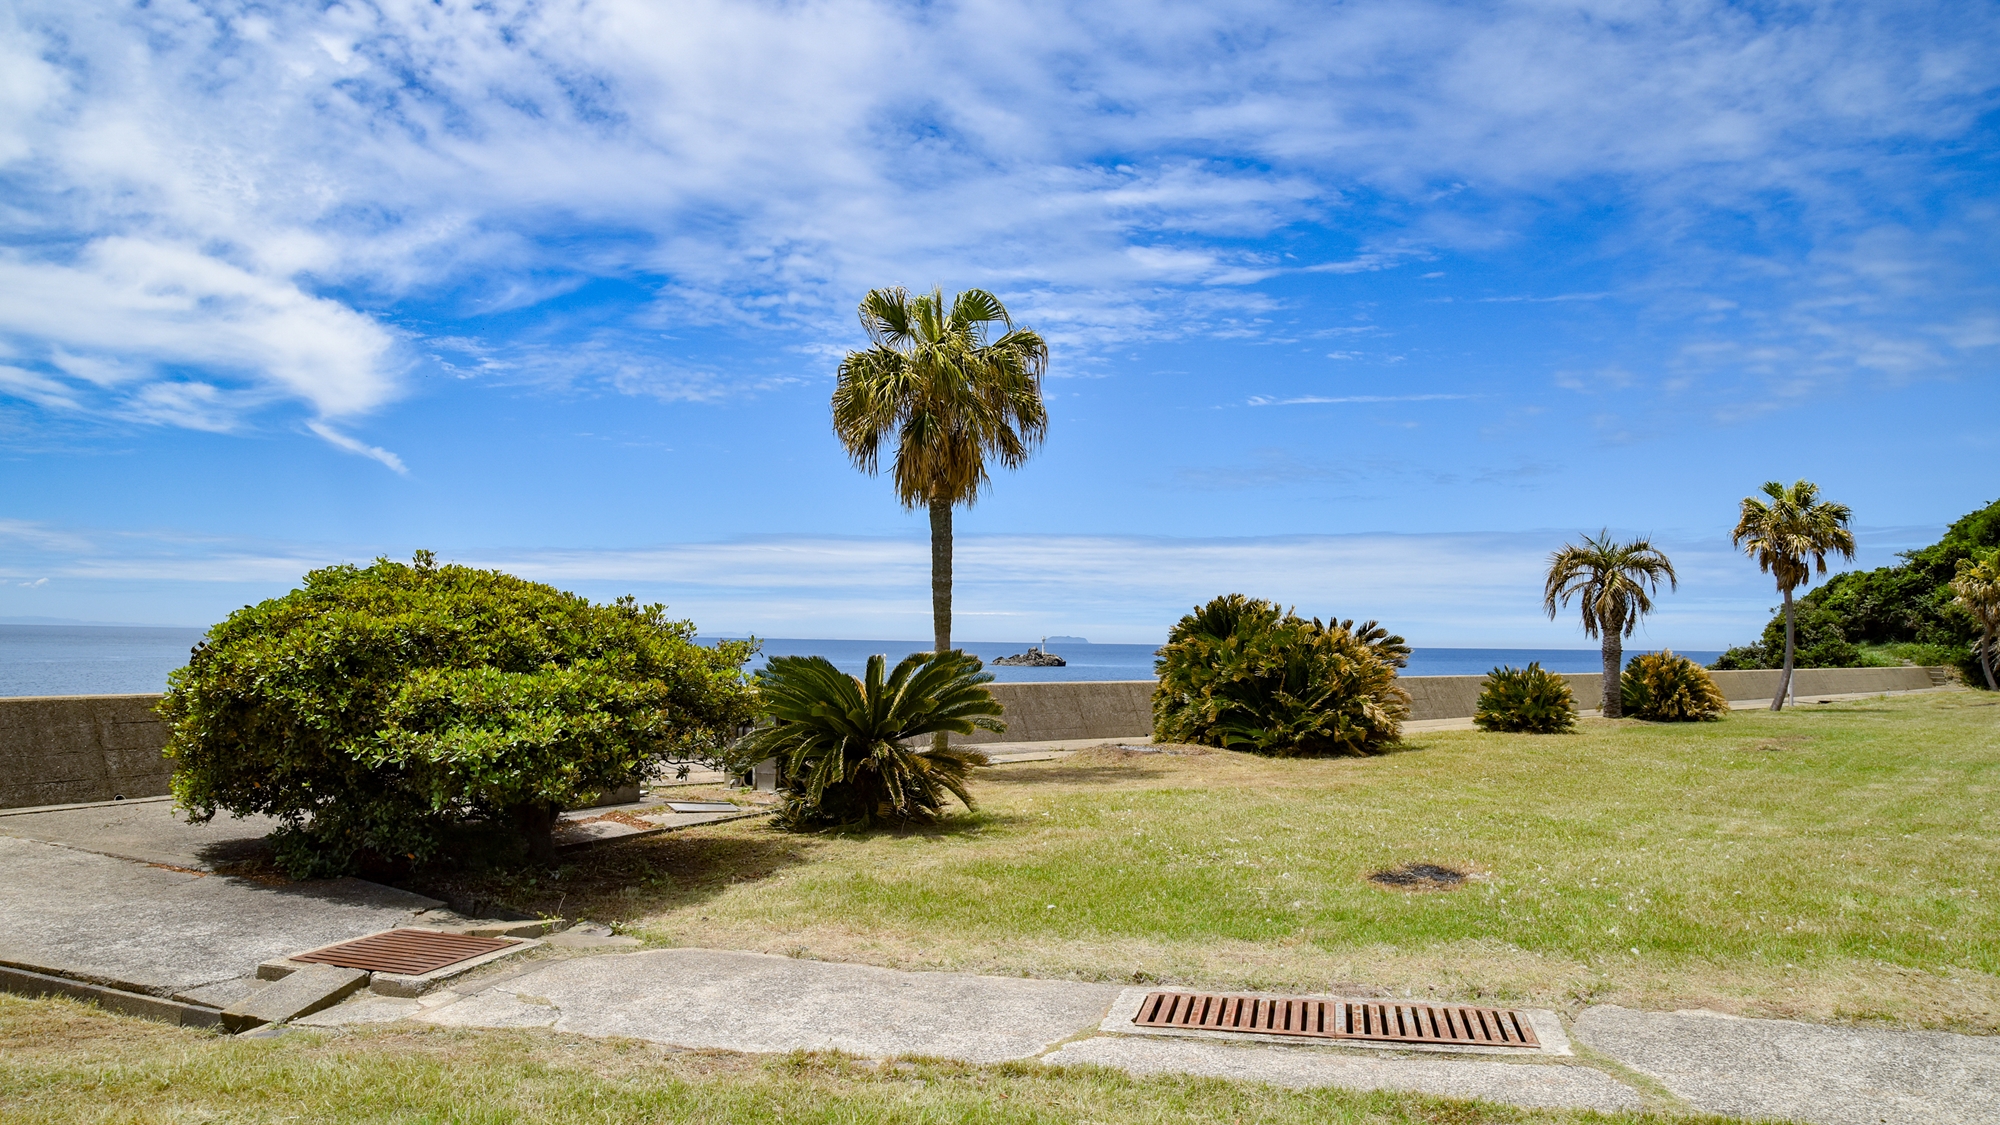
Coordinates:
[1906,652]
[1833,862]
[64,1062]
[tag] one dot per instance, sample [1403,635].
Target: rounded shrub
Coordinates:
[1527,700]
[851,752]
[1662,687]
[1240,673]
[377,711]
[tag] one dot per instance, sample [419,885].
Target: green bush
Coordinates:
[1526,700]
[1242,674]
[1662,687]
[375,712]
[846,748]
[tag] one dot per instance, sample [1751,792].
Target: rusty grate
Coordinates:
[1382,1022]
[406,952]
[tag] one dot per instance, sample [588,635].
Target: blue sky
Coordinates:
[1363,307]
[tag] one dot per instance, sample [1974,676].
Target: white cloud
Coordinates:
[244,183]
[355,445]
[1313,400]
[119,319]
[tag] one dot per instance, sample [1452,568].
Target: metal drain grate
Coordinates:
[405,952]
[1387,1022]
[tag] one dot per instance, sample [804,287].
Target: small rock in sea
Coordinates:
[1034,658]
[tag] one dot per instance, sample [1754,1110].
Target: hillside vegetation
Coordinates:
[1887,615]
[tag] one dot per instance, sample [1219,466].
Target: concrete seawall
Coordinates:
[1047,712]
[69,749]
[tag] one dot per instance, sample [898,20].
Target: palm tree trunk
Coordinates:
[1785,680]
[1987,658]
[941,573]
[941,590]
[1614,666]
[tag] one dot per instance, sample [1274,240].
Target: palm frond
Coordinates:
[948,399]
[845,745]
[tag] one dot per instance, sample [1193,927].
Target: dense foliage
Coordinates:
[845,747]
[1243,674]
[375,710]
[1909,603]
[1662,687]
[1527,700]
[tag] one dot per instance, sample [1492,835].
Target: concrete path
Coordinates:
[760,1003]
[1539,1085]
[1830,1075]
[144,829]
[175,933]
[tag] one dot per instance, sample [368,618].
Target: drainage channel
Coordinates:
[1362,1020]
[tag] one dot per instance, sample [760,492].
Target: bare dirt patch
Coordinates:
[1419,877]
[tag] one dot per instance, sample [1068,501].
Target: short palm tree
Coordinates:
[1977,589]
[1612,584]
[845,747]
[949,398]
[1787,537]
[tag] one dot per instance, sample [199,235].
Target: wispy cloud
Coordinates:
[1311,400]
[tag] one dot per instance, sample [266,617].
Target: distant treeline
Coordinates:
[1887,615]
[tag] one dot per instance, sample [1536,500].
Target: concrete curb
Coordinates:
[25,982]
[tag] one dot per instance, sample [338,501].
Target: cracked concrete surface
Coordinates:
[170,932]
[1825,1075]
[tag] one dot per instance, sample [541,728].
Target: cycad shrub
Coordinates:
[1662,687]
[847,749]
[1242,674]
[1527,700]
[382,714]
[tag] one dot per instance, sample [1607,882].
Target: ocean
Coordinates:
[116,660]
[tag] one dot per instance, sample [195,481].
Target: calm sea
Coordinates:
[111,660]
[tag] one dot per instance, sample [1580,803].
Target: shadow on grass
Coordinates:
[620,879]
[1078,773]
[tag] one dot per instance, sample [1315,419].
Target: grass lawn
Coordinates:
[1836,862]
[65,1062]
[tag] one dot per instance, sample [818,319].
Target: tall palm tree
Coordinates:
[1787,537]
[1977,588]
[1612,582]
[949,397]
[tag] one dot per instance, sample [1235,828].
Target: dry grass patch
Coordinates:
[1836,862]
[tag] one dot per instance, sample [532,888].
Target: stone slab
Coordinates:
[1804,1072]
[299,994]
[1544,1085]
[755,1002]
[1550,1037]
[166,931]
[362,1008]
